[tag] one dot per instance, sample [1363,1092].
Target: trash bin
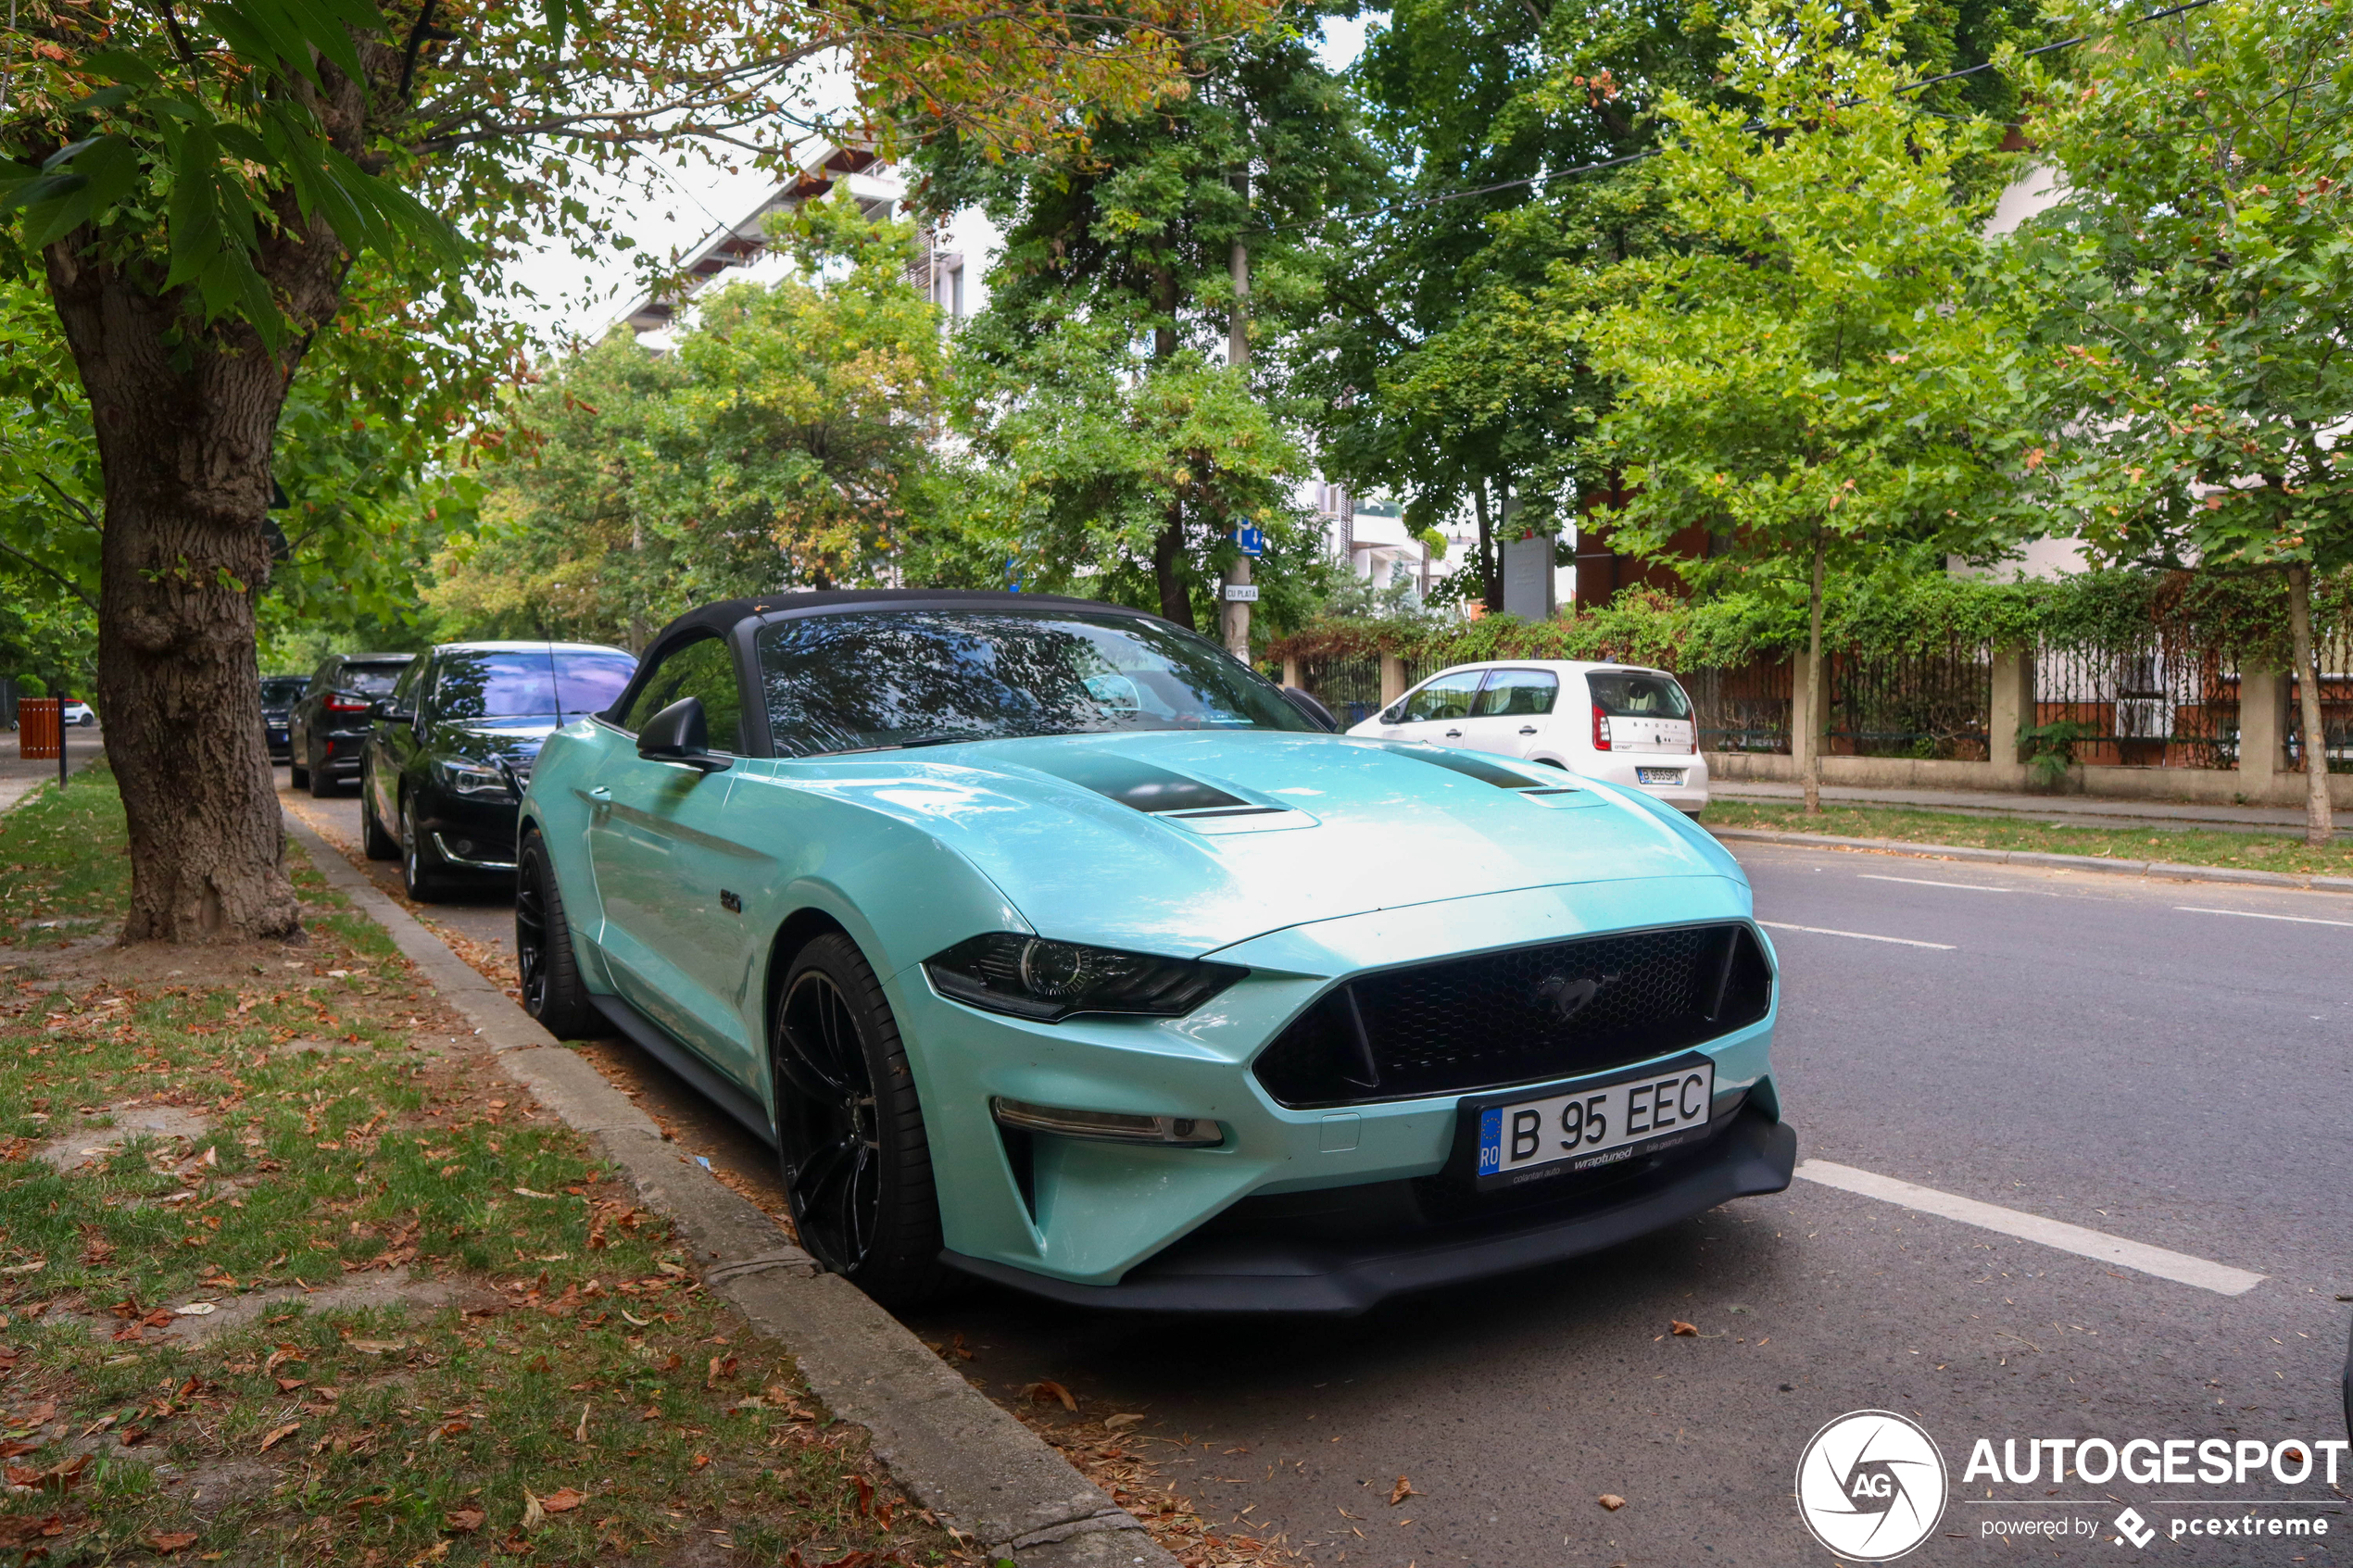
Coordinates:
[41,728]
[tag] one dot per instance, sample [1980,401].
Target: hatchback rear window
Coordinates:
[372,679]
[1627,694]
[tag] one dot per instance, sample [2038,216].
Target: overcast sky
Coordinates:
[577,298]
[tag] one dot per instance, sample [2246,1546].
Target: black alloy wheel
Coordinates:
[374,841]
[322,784]
[421,876]
[857,1165]
[552,991]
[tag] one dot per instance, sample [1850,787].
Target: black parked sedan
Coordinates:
[453,746]
[329,727]
[278,694]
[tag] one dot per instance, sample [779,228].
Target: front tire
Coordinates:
[422,876]
[378,844]
[857,1164]
[552,991]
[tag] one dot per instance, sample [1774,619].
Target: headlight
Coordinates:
[1110,1126]
[1031,977]
[476,781]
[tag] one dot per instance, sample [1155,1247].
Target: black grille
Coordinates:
[1523,1015]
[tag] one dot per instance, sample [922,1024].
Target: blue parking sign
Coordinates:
[1249,541]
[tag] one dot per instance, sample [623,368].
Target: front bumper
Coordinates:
[470,835]
[1067,1211]
[1344,1251]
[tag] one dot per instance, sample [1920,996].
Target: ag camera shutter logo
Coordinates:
[1870,1485]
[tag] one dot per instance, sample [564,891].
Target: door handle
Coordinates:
[601,792]
[1528,729]
[1454,734]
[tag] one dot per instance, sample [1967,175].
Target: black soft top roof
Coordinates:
[727,614]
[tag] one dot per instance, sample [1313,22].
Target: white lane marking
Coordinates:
[2250,914]
[1859,935]
[1923,882]
[2176,1266]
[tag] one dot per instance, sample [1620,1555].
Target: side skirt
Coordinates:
[658,1044]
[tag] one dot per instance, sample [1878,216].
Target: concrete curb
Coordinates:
[975,1467]
[2164,869]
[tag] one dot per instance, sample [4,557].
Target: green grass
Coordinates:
[574,1398]
[2180,846]
[62,873]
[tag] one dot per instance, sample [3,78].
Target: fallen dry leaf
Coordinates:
[564,1501]
[464,1520]
[533,1514]
[1611,1500]
[1122,1422]
[172,1540]
[433,1553]
[1686,1329]
[1401,1491]
[1045,1391]
[280,1434]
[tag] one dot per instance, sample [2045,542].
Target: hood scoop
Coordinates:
[1151,790]
[1472,764]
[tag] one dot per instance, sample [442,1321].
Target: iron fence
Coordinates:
[1745,709]
[2160,702]
[2336,657]
[1350,687]
[1934,704]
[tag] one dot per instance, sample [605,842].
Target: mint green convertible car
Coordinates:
[1048,942]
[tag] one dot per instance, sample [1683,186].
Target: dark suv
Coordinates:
[330,724]
[278,694]
[453,747]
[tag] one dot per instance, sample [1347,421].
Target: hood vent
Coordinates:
[1155,791]
[1472,764]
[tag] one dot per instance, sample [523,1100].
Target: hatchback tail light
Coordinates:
[344,705]
[1601,730]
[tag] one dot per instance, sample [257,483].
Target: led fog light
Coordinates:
[1111,1126]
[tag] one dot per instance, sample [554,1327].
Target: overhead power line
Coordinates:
[1411,203]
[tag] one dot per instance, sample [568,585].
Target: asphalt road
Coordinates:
[2111,1054]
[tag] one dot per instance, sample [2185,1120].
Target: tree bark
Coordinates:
[1490,587]
[1813,717]
[187,415]
[2319,824]
[1168,559]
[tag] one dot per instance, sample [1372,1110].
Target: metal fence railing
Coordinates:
[2337,706]
[1745,709]
[1350,687]
[1934,704]
[2156,703]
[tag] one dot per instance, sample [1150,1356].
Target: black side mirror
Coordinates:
[382,708]
[679,734]
[1316,712]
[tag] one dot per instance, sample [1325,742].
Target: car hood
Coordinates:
[1364,826]
[516,740]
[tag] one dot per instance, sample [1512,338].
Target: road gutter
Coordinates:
[2166,869]
[979,1469]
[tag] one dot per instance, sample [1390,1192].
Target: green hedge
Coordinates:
[2241,618]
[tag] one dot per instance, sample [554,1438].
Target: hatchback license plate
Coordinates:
[1658,775]
[1582,1126]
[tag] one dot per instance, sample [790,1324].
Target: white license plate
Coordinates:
[1658,775]
[1579,1127]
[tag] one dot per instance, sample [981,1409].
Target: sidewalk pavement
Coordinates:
[20,777]
[2066,810]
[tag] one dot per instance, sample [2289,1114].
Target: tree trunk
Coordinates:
[1490,587]
[186,420]
[1495,556]
[1168,559]
[2319,824]
[1813,736]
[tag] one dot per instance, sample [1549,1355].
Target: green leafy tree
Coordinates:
[214,196]
[1457,375]
[1117,434]
[1828,368]
[785,441]
[2200,280]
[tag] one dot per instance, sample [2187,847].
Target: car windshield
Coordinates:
[858,681]
[282,691]
[1627,694]
[529,683]
[372,679]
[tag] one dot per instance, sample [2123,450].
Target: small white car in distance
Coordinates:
[1622,723]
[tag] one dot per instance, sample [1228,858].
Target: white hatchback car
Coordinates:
[1620,723]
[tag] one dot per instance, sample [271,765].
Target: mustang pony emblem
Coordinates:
[1567,997]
